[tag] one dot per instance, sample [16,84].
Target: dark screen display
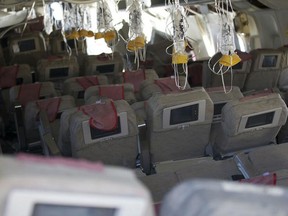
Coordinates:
[259,120]
[218,108]
[26,45]
[269,61]
[105,68]
[59,72]
[66,210]
[70,43]
[96,133]
[184,114]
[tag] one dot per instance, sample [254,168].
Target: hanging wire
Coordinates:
[225,43]
[179,55]
[137,40]
[105,24]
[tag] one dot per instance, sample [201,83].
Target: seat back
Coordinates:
[162,85]
[53,107]
[109,65]
[11,76]
[250,122]
[136,78]
[212,198]
[220,98]
[27,48]
[71,186]
[76,86]
[266,66]
[179,124]
[117,146]
[238,76]
[113,91]
[56,69]
[29,92]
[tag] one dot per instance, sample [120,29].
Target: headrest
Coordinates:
[87,81]
[28,92]
[103,115]
[115,92]
[244,55]
[257,94]
[167,85]
[8,76]
[134,77]
[51,106]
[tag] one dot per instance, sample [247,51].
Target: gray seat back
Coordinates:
[266,66]
[250,122]
[117,146]
[179,124]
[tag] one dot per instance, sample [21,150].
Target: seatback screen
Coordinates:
[105,68]
[26,45]
[59,72]
[66,210]
[184,114]
[269,61]
[259,120]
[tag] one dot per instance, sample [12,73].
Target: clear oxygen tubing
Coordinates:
[225,43]
[136,42]
[105,24]
[179,54]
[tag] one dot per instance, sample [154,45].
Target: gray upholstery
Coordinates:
[47,90]
[72,87]
[150,74]
[148,87]
[27,57]
[129,95]
[220,98]
[232,138]
[181,141]
[46,64]
[263,159]
[218,95]
[92,61]
[120,151]
[64,141]
[268,76]
[31,117]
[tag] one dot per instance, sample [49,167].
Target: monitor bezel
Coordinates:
[167,114]
[124,205]
[123,124]
[244,119]
[16,49]
[278,63]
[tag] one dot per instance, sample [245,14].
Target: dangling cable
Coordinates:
[225,43]
[105,25]
[136,42]
[179,54]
